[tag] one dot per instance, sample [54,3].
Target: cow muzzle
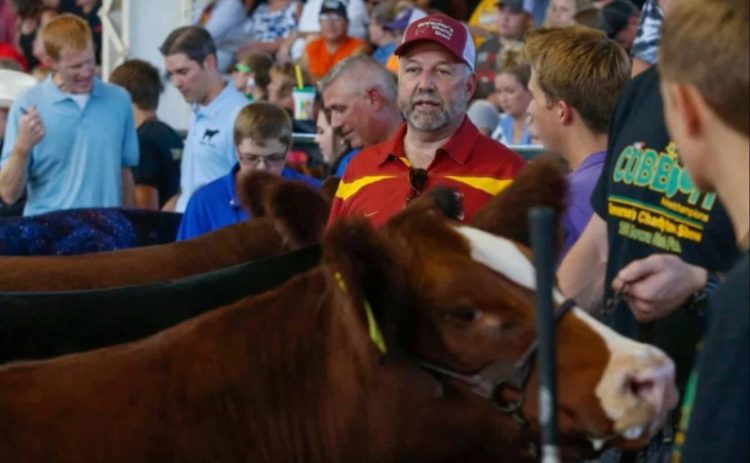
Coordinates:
[637,390]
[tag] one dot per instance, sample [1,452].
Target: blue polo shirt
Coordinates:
[78,163]
[209,146]
[215,205]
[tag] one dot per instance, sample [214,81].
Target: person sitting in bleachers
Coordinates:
[251,75]
[334,44]
[512,90]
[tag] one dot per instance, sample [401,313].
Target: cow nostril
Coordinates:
[639,387]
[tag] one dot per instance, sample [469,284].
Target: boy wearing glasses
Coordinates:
[262,139]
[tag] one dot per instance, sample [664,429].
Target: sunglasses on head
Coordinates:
[243,68]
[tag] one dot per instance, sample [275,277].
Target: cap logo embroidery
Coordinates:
[438,28]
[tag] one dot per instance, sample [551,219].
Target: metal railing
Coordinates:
[303,140]
[307,140]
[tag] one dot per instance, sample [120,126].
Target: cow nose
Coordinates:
[647,390]
[654,386]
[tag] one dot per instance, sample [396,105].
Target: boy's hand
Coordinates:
[658,285]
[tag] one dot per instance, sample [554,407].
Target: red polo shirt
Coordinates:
[376,181]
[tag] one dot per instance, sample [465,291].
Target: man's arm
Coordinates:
[146,197]
[581,274]
[128,187]
[14,174]
[171,204]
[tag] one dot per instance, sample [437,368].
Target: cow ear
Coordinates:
[297,210]
[540,183]
[329,188]
[446,202]
[251,188]
[365,269]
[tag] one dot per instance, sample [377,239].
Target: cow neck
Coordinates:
[365,389]
[312,384]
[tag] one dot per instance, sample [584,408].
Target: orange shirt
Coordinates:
[320,60]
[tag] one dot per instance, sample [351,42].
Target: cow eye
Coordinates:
[463,315]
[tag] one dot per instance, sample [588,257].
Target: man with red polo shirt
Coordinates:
[438,145]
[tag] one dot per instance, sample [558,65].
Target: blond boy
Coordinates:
[70,141]
[577,74]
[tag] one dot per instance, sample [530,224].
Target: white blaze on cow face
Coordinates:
[502,256]
[634,410]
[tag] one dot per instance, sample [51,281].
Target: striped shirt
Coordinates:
[646,44]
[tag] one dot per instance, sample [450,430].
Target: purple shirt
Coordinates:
[581,183]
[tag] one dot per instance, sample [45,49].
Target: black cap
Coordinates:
[334,6]
[516,6]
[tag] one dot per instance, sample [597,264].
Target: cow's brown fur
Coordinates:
[277,232]
[292,376]
[540,183]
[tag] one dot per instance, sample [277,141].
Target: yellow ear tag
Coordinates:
[376,336]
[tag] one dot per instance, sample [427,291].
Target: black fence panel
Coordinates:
[43,325]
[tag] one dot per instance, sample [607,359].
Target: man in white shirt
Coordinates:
[190,59]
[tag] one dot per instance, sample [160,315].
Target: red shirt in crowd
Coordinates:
[376,182]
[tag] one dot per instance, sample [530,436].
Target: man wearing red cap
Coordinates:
[438,145]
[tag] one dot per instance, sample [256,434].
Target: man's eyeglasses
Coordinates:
[417,183]
[256,159]
[330,17]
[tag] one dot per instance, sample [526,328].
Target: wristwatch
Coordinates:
[698,301]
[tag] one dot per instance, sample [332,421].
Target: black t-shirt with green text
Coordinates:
[651,206]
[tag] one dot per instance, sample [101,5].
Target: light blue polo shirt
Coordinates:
[78,162]
[209,147]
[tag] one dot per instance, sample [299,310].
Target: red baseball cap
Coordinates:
[9,52]
[453,35]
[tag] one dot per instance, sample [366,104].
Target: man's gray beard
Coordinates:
[436,120]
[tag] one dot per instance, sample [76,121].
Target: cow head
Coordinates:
[460,298]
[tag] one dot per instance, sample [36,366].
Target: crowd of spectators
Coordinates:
[410,95]
[260,46]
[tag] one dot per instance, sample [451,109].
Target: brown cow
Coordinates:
[298,375]
[289,215]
